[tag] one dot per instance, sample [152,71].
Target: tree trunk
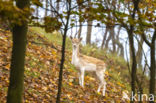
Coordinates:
[152,45]
[133,73]
[58,5]
[61,67]
[132,48]
[46,4]
[153,67]
[51,3]
[37,13]
[89,31]
[139,53]
[120,49]
[80,22]
[63,54]
[80,29]
[104,38]
[107,41]
[113,39]
[89,27]
[16,84]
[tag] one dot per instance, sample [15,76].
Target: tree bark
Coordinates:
[37,13]
[80,29]
[104,38]
[139,53]
[112,33]
[131,41]
[133,73]
[51,3]
[63,54]
[89,31]
[80,21]
[152,57]
[120,49]
[153,67]
[89,28]
[46,4]
[107,41]
[58,5]
[16,84]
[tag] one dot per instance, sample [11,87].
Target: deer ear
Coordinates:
[80,39]
[71,37]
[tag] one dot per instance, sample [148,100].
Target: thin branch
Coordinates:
[94,26]
[30,25]
[79,4]
[55,11]
[154,36]
[141,28]
[121,21]
[142,51]
[145,39]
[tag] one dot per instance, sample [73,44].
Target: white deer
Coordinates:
[86,63]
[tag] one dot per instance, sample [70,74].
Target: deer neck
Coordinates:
[75,56]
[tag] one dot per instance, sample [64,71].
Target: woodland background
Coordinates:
[35,49]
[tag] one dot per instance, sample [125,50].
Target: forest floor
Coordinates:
[42,71]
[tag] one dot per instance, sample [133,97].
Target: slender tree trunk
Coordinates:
[37,13]
[80,22]
[139,53]
[51,3]
[104,38]
[152,45]
[80,29]
[113,39]
[89,27]
[63,54]
[58,5]
[153,67]
[61,67]
[46,4]
[120,49]
[89,31]
[16,84]
[107,41]
[133,73]
[132,48]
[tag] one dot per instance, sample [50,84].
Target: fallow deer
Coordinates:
[86,63]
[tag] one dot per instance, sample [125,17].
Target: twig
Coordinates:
[142,50]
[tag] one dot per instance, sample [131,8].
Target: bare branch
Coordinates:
[95,26]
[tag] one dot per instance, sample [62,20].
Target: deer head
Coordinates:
[75,42]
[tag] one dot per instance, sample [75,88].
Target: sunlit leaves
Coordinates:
[51,24]
[9,12]
[37,2]
[41,75]
[80,2]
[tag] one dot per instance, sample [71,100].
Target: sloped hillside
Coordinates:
[42,70]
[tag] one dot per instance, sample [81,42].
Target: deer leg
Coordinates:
[79,78]
[104,88]
[100,76]
[82,77]
[99,88]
